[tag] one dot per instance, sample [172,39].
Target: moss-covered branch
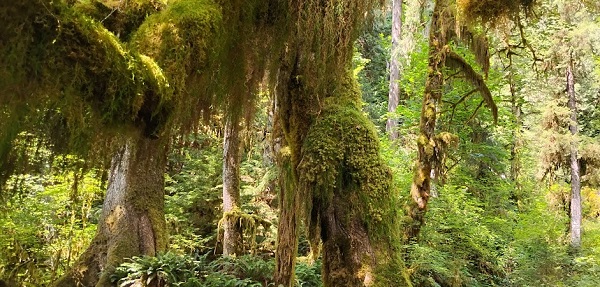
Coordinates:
[50,51]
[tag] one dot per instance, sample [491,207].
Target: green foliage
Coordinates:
[459,248]
[163,269]
[308,274]
[185,271]
[373,49]
[193,188]
[48,222]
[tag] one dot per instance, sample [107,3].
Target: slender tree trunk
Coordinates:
[421,185]
[287,230]
[394,94]
[410,28]
[515,164]
[575,179]
[132,221]
[232,235]
[516,145]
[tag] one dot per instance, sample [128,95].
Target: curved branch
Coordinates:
[455,61]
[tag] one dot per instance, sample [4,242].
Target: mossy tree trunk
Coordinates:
[287,112]
[575,226]
[287,228]
[516,145]
[421,184]
[132,222]
[232,229]
[349,204]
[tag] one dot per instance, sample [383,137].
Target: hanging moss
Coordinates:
[182,40]
[60,54]
[490,11]
[249,224]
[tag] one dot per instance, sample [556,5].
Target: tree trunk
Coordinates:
[394,94]
[349,204]
[575,179]
[517,143]
[232,230]
[421,185]
[515,163]
[132,221]
[287,229]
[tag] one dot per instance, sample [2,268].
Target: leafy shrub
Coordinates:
[169,269]
[308,275]
[163,270]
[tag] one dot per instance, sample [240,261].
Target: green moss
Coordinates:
[122,18]
[341,155]
[182,40]
[249,224]
[493,11]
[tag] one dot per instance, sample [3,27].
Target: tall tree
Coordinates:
[232,229]
[344,186]
[394,94]
[95,78]
[445,26]
[575,226]
[289,203]
[132,222]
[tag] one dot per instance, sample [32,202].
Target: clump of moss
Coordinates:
[183,40]
[249,224]
[122,18]
[79,72]
[490,11]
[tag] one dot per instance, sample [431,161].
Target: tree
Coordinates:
[575,226]
[94,77]
[232,229]
[132,221]
[394,93]
[344,186]
[567,146]
[431,146]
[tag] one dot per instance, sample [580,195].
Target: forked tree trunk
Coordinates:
[421,184]
[391,125]
[232,230]
[575,226]
[132,222]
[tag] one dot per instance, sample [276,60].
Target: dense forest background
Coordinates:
[485,172]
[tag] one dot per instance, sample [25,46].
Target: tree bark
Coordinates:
[575,225]
[421,185]
[287,230]
[132,222]
[394,94]
[232,230]
[289,203]
[515,163]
